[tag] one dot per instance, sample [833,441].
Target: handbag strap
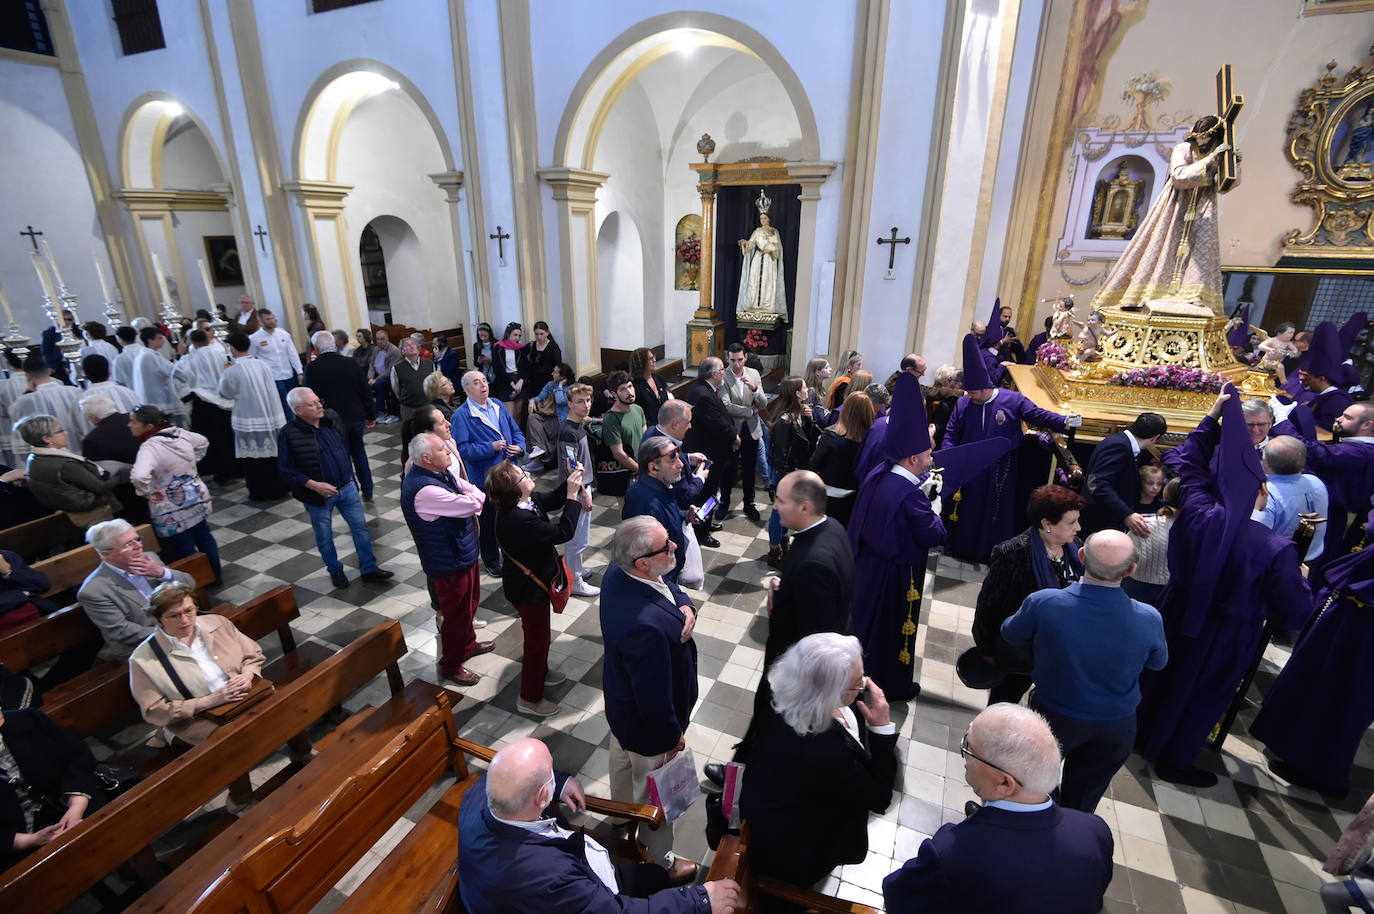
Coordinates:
[518,564]
[171,670]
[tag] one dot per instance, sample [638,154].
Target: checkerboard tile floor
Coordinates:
[1251,843]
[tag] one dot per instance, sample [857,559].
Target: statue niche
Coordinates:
[1116,205]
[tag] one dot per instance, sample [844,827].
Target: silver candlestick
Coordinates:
[16,342]
[70,343]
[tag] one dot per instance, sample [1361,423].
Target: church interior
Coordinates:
[603,166]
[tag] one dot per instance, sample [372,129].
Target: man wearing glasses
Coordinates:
[650,673]
[651,494]
[1020,852]
[115,595]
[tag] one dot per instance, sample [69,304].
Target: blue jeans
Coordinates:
[322,521]
[195,539]
[765,445]
[283,387]
[775,531]
[358,451]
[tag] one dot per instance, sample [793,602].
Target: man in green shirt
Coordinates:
[622,427]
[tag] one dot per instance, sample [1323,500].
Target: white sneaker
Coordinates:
[541,708]
[479,623]
[583,589]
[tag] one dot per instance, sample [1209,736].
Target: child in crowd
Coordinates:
[1151,484]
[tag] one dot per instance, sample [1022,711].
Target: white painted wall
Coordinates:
[188,162]
[620,284]
[45,186]
[387,151]
[191,229]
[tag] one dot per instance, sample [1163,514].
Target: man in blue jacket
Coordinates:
[485,435]
[650,673]
[519,856]
[1022,851]
[652,494]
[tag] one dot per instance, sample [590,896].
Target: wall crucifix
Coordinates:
[261,233]
[33,235]
[892,251]
[500,239]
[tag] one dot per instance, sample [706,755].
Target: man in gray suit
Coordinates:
[115,595]
[742,392]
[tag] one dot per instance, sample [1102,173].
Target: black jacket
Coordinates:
[298,455]
[648,401]
[342,386]
[807,798]
[52,762]
[817,583]
[1010,579]
[531,537]
[111,440]
[537,369]
[713,432]
[793,445]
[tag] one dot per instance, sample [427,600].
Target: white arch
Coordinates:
[620,285]
[143,133]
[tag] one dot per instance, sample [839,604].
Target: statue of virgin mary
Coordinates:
[761,289]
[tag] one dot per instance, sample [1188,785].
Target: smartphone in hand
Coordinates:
[571,454]
[707,508]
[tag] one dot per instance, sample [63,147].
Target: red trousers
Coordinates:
[457,595]
[534,619]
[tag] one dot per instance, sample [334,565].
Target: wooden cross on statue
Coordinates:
[500,240]
[33,235]
[1228,106]
[261,233]
[892,251]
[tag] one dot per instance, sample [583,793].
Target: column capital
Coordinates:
[227,192]
[451,182]
[574,185]
[159,200]
[319,197]
[810,175]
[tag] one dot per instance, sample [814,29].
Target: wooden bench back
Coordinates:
[457,339]
[59,872]
[295,863]
[68,570]
[47,636]
[732,862]
[42,537]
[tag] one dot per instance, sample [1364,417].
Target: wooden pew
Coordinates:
[67,629]
[41,538]
[58,873]
[457,340]
[732,862]
[98,700]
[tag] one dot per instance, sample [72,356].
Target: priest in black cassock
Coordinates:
[1228,574]
[896,520]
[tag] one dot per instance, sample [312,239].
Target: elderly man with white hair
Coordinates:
[519,855]
[1291,492]
[115,595]
[1021,851]
[485,434]
[342,386]
[1091,642]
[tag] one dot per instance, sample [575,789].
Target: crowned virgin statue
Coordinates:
[761,289]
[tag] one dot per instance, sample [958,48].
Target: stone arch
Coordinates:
[143,131]
[640,45]
[620,283]
[402,257]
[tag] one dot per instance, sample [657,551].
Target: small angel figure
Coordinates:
[1278,347]
[1062,327]
[1091,337]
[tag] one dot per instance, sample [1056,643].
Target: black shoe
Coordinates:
[1188,777]
[971,807]
[1294,776]
[715,773]
[339,578]
[709,541]
[723,514]
[752,513]
[378,576]
[714,525]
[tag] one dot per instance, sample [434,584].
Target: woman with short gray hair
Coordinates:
[830,740]
[62,480]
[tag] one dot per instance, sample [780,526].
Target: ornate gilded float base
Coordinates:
[1143,340]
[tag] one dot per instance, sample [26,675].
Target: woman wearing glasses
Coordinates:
[530,567]
[822,763]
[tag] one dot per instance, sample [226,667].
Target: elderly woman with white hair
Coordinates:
[823,761]
[62,480]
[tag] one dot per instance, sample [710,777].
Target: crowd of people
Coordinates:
[1134,607]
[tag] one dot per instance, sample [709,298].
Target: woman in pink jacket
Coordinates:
[165,473]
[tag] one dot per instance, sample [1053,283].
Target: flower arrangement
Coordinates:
[755,340]
[1053,355]
[1171,377]
[689,249]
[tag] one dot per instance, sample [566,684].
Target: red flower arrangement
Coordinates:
[689,249]
[755,340]
[1171,377]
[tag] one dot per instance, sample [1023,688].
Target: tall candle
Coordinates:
[47,251]
[42,270]
[161,280]
[6,302]
[100,272]
[209,287]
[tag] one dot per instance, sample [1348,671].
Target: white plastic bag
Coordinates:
[674,785]
[692,574]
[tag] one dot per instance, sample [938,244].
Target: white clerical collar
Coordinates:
[903,471]
[1135,445]
[1009,806]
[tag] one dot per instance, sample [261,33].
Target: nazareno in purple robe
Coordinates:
[986,505]
[1346,468]
[892,529]
[1319,708]
[1257,578]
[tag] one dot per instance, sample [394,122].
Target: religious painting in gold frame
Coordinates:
[1331,144]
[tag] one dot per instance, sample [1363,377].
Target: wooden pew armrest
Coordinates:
[811,901]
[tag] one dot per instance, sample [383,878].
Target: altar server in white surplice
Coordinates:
[97,372]
[11,389]
[256,419]
[199,372]
[52,398]
[153,377]
[123,367]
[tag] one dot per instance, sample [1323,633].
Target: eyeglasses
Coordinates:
[966,753]
[667,547]
[859,686]
[180,613]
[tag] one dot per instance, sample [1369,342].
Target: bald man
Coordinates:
[1291,492]
[519,856]
[1091,641]
[1021,845]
